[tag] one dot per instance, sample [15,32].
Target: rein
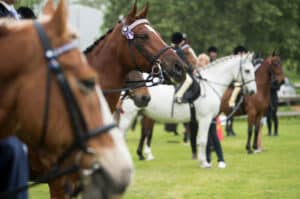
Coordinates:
[78,124]
[150,81]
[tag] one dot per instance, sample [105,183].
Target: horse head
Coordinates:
[57,107]
[140,96]
[246,74]
[276,69]
[143,48]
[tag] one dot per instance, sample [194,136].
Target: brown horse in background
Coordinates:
[256,105]
[131,45]
[140,95]
[50,99]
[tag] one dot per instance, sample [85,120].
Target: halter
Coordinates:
[78,124]
[154,62]
[243,83]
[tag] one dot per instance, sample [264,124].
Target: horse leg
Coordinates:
[248,148]
[142,140]
[275,120]
[256,132]
[231,127]
[202,137]
[147,150]
[193,138]
[269,121]
[148,125]
[187,132]
[228,127]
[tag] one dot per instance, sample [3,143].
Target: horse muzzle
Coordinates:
[141,101]
[99,184]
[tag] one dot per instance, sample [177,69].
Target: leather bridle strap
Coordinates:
[76,117]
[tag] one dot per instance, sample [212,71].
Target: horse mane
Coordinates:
[217,61]
[91,47]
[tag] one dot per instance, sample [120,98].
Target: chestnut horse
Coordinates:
[255,106]
[50,99]
[132,45]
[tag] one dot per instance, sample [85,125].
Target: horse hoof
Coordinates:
[250,151]
[150,158]
[141,158]
[194,157]
[205,165]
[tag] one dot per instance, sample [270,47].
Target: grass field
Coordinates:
[274,173]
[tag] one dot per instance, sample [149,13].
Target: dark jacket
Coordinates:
[4,12]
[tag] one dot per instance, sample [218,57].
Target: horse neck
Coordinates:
[222,74]
[191,57]
[15,60]
[263,78]
[105,59]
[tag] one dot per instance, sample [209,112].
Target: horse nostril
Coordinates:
[146,98]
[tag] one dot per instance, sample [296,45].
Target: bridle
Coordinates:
[133,42]
[240,73]
[243,82]
[78,124]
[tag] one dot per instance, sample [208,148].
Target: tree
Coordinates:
[262,26]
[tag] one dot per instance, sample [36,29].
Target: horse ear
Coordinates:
[60,17]
[131,15]
[250,56]
[144,12]
[49,8]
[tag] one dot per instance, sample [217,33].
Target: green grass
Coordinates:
[293,76]
[274,173]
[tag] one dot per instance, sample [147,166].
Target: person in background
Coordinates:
[213,142]
[13,153]
[203,59]
[238,50]
[271,112]
[212,53]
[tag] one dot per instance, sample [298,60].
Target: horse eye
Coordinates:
[142,36]
[247,71]
[87,84]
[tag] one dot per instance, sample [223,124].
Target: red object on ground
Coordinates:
[219,129]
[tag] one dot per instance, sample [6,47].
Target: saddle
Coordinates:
[192,93]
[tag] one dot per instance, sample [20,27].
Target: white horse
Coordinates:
[216,77]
